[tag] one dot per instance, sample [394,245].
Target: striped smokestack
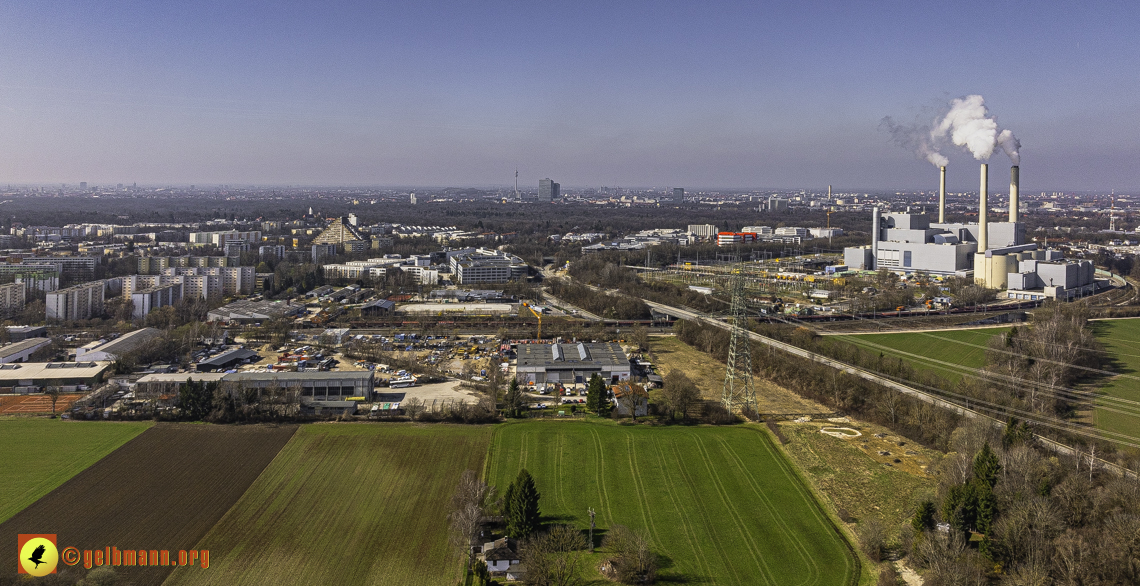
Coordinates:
[1014,187]
[983,224]
[942,196]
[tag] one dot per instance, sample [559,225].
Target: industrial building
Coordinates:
[571,363]
[21,351]
[34,376]
[255,311]
[995,254]
[314,386]
[111,350]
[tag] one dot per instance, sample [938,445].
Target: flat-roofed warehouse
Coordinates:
[250,311]
[571,363]
[40,374]
[335,385]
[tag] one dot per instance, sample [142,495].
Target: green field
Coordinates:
[1121,338]
[946,353]
[41,454]
[720,505]
[347,504]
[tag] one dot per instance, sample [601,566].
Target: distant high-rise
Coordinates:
[679,194]
[412,199]
[548,190]
[83,186]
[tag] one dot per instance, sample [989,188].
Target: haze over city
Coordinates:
[637,94]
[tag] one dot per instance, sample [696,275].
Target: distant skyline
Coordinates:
[696,95]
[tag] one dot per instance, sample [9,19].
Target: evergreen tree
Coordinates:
[924,518]
[523,515]
[986,466]
[596,397]
[513,399]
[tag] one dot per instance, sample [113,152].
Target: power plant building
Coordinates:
[995,254]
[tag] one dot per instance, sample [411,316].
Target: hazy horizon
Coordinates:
[587,93]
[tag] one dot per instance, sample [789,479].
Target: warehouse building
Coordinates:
[22,350]
[34,376]
[571,363]
[254,311]
[119,347]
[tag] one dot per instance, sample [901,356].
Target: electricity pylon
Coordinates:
[738,390]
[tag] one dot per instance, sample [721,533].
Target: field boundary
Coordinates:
[839,528]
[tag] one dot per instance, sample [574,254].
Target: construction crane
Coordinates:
[536,314]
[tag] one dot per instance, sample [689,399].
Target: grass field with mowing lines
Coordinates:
[1121,338]
[720,505]
[41,454]
[347,504]
[931,350]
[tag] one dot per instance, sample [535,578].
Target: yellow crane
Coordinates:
[536,314]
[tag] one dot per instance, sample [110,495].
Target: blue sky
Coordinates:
[712,94]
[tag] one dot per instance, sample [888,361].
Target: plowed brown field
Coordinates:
[162,490]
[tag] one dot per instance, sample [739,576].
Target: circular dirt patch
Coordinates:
[841,432]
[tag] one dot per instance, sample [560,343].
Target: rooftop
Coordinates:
[17,347]
[559,355]
[126,343]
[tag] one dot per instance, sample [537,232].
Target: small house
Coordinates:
[501,554]
[631,399]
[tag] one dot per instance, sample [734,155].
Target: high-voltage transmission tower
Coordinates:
[738,390]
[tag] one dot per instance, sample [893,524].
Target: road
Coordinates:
[883,381]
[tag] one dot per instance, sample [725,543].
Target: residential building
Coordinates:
[34,277]
[323,250]
[219,238]
[340,231]
[146,300]
[12,296]
[72,269]
[275,251]
[74,303]
[153,265]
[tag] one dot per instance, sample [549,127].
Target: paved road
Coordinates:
[888,383]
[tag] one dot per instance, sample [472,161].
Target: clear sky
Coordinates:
[695,94]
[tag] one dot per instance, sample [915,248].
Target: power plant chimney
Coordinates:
[983,224]
[828,193]
[874,239]
[1014,187]
[942,197]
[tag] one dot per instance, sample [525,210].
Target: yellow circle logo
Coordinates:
[39,556]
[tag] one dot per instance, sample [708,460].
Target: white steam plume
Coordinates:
[916,138]
[1009,143]
[969,125]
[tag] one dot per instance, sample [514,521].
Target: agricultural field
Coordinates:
[945,353]
[720,505]
[41,454]
[669,353]
[1121,338]
[347,504]
[164,489]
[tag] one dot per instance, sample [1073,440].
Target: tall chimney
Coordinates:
[983,224]
[828,193]
[874,239]
[1014,187]
[942,197]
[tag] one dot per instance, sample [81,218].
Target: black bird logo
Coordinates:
[37,556]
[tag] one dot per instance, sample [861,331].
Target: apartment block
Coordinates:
[74,303]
